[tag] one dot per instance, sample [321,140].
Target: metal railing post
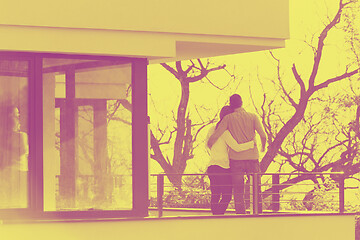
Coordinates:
[342,193]
[275,198]
[160,193]
[251,194]
[255,194]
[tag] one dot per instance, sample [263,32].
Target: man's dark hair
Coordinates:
[235,101]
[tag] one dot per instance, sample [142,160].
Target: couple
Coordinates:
[233,153]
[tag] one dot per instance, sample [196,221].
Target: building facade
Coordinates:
[73,96]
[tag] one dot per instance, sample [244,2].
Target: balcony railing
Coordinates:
[273,192]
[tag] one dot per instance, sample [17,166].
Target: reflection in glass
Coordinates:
[87,135]
[14,147]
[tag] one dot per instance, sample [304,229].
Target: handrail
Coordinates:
[255,179]
[263,174]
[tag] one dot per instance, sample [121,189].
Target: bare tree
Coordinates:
[186,132]
[306,90]
[184,136]
[311,140]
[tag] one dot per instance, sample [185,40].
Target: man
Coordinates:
[242,126]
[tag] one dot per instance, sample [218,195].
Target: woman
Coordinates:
[219,169]
[13,158]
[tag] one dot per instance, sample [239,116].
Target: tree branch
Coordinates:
[320,46]
[299,80]
[158,155]
[200,63]
[169,139]
[171,70]
[126,104]
[203,73]
[202,127]
[179,69]
[190,67]
[289,157]
[331,148]
[336,79]
[357,123]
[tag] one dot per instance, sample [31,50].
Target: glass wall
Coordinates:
[87,128]
[73,136]
[14,149]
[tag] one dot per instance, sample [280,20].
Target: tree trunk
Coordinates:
[179,163]
[283,133]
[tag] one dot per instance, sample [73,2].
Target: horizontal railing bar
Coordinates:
[268,193]
[293,193]
[299,200]
[262,185]
[289,184]
[286,201]
[247,185]
[278,194]
[231,185]
[262,174]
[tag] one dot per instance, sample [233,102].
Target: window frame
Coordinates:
[140,143]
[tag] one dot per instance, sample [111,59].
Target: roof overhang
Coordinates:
[157,30]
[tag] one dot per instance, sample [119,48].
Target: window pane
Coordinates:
[87,135]
[14,147]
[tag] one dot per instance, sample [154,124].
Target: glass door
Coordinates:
[87,135]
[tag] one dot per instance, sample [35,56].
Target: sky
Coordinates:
[306,17]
